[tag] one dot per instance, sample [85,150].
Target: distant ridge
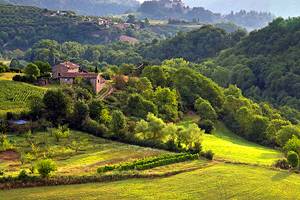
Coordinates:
[84,7]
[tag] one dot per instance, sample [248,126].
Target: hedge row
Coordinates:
[148,163]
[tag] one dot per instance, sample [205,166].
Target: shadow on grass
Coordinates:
[280,176]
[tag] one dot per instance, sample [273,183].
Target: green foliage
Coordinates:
[205,110]
[167,103]
[148,163]
[5,144]
[22,175]
[286,133]
[60,132]
[206,125]
[118,122]
[158,75]
[45,167]
[192,85]
[192,46]
[80,113]
[3,68]
[178,138]
[293,159]
[95,108]
[139,107]
[292,144]
[259,63]
[32,70]
[57,105]
[207,154]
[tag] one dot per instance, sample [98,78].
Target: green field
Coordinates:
[14,96]
[198,179]
[230,147]
[220,181]
[8,75]
[93,152]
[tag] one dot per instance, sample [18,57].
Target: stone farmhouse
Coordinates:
[67,72]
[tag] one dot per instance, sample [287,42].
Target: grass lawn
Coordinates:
[220,181]
[228,146]
[14,96]
[8,76]
[93,152]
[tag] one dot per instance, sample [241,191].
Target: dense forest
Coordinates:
[266,64]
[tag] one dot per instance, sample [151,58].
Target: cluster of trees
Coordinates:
[265,64]
[33,71]
[195,46]
[260,123]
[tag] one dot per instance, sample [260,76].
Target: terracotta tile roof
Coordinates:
[79,74]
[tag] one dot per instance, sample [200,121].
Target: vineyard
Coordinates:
[14,96]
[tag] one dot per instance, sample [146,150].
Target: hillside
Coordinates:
[14,96]
[220,181]
[194,46]
[265,64]
[22,26]
[94,7]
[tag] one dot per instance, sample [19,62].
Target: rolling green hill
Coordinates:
[220,181]
[14,96]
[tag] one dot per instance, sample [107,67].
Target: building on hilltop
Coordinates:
[67,72]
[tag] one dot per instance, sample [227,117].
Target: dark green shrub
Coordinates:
[22,175]
[282,164]
[94,128]
[105,168]
[149,163]
[1,172]
[196,148]
[45,167]
[207,154]
[293,159]
[206,125]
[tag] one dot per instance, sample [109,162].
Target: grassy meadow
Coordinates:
[219,181]
[14,96]
[230,147]
[91,153]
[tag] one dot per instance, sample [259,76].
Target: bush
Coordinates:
[209,155]
[1,172]
[293,159]
[26,79]
[282,164]
[148,163]
[22,175]
[206,125]
[292,145]
[45,167]
[94,128]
